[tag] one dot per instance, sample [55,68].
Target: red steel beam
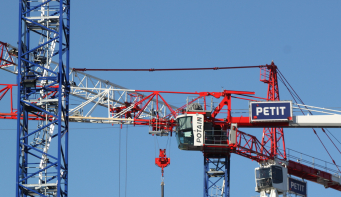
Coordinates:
[312,174]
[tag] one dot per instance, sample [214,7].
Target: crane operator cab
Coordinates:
[192,132]
[189,132]
[271,179]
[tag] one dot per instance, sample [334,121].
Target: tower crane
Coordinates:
[218,137]
[45,81]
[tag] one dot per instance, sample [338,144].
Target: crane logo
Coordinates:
[297,187]
[270,111]
[198,130]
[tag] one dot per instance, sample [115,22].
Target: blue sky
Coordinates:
[302,37]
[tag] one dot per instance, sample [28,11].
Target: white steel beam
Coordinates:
[317,121]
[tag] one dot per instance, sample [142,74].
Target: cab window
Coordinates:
[277,174]
[185,123]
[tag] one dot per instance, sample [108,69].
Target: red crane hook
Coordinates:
[162,161]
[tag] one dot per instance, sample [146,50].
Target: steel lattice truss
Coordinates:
[140,107]
[217,176]
[43,91]
[45,82]
[95,92]
[273,136]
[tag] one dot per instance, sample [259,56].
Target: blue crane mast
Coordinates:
[44,35]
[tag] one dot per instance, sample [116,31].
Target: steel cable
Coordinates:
[331,140]
[125,192]
[119,163]
[294,94]
[327,151]
[333,136]
[167,69]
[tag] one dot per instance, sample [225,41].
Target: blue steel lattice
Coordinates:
[217,176]
[42,150]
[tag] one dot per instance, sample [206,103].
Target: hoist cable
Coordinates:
[119,163]
[167,141]
[158,146]
[125,192]
[156,142]
[155,145]
[170,143]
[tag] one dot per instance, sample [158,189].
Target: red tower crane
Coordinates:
[197,128]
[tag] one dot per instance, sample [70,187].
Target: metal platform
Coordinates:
[35,189]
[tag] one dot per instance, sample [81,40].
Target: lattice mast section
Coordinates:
[272,137]
[43,91]
[217,176]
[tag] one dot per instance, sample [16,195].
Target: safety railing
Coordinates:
[313,162]
[216,137]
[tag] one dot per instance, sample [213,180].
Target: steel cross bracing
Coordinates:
[44,26]
[217,176]
[44,88]
[245,144]
[273,136]
[94,91]
[83,112]
[8,56]
[139,109]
